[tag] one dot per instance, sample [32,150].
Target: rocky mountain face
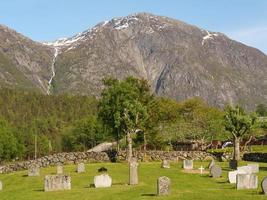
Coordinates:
[23,62]
[179,61]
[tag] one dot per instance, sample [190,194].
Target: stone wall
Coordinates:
[110,156]
[255,157]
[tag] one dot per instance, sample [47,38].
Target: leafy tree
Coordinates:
[9,148]
[123,107]
[238,123]
[85,134]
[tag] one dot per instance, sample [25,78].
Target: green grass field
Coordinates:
[17,186]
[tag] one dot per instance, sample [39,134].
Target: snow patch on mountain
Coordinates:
[124,22]
[72,42]
[209,36]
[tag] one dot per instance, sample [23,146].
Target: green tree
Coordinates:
[238,123]
[9,147]
[123,107]
[85,134]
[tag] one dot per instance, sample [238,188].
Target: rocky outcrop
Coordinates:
[24,63]
[110,156]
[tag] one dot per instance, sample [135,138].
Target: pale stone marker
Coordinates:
[264,185]
[212,163]
[102,181]
[33,170]
[59,169]
[81,168]
[1,185]
[216,171]
[246,181]
[165,164]
[247,169]
[254,167]
[57,182]
[188,164]
[163,185]
[133,172]
[232,175]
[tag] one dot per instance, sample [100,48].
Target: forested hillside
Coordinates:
[77,123]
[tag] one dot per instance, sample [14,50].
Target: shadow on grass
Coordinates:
[39,190]
[263,169]
[149,195]
[222,182]
[227,169]
[93,185]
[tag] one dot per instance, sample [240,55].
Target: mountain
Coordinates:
[23,62]
[179,61]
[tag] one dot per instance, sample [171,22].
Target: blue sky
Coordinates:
[47,20]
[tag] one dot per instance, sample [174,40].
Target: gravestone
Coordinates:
[57,182]
[81,168]
[232,175]
[246,181]
[233,164]
[102,181]
[188,164]
[165,164]
[264,185]
[1,185]
[212,163]
[33,170]
[216,171]
[59,169]
[246,169]
[254,167]
[133,172]
[163,186]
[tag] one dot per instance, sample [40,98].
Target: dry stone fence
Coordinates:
[109,156]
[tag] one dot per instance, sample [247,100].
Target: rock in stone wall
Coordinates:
[76,157]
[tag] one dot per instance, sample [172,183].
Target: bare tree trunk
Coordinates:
[130,147]
[145,143]
[237,148]
[247,142]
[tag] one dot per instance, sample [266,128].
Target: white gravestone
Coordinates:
[1,185]
[246,181]
[232,175]
[81,168]
[59,169]
[33,171]
[188,164]
[165,164]
[254,167]
[57,182]
[247,169]
[102,181]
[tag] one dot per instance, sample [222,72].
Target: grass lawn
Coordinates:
[17,186]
